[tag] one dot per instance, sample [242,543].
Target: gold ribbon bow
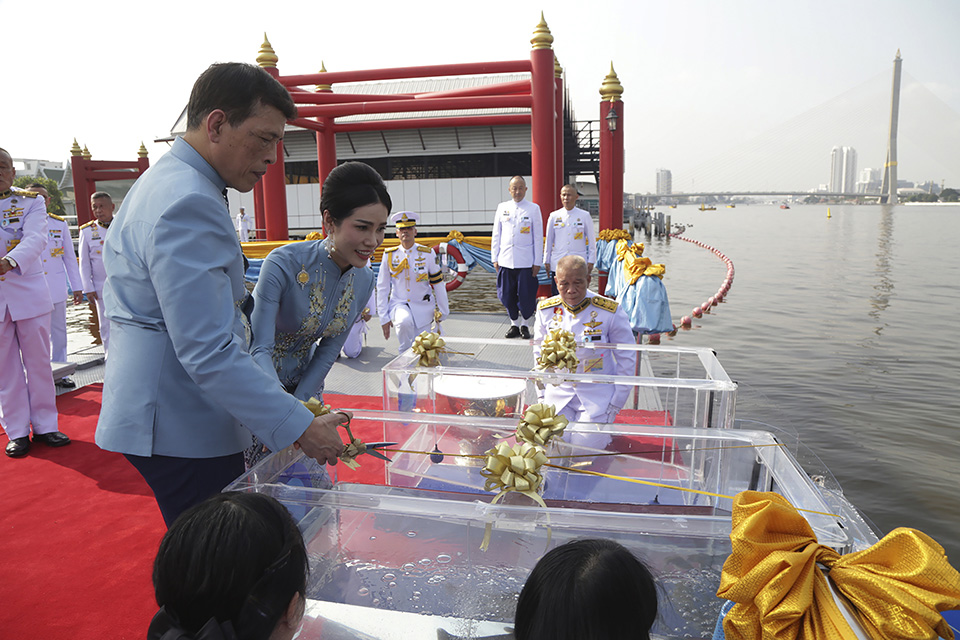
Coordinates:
[540,422]
[613,234]
[428,346]
[508,469]
[558,351]
[634,267]
[897,587]
[454,235]
[624,248]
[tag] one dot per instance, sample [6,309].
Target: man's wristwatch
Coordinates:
[11,262]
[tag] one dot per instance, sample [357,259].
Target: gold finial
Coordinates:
[86,153]
[142,151]
[323,87]
[267,56]
[611,89]
[557,69]
[541,35]
[898,53]
[75,150]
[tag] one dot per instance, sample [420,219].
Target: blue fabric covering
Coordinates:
[647,305]
[718,630]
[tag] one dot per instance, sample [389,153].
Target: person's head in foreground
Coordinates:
[232,567]
[587,590]
[572,278]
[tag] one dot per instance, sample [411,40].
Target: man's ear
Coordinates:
[294,613]
[214,122]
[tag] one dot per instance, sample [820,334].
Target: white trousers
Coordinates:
[104,324]
[354,343]
[27,394]
[594,438]
[58,332]
[405,326]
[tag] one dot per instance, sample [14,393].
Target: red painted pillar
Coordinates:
[611,153]
[542,127]
[561,178]
[326,139]
[259,215]
[81,190]
[275,181]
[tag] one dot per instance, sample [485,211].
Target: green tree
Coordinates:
[56,198]
[950,195]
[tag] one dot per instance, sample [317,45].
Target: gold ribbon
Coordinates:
[897,587]
[454,235]
[634,267]
[558,351]
[539,423]
[613,234]
[508,469]
[314,235]
[428,346]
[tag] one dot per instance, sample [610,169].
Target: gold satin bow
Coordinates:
[624,248]
[539,423]
[454,235]
[898,587]
[613,234]
[508,469]
[634,267]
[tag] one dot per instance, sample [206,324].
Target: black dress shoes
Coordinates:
[513,332]
[525,332]
[18,447]
[66,383]
[52,439]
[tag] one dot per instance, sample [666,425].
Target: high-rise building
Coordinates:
[664,182]
[843,170]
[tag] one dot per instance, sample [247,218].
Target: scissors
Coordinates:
[357,447]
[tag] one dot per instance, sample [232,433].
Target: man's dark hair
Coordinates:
[350,186]
[587,590]
[236,89]
[238,558]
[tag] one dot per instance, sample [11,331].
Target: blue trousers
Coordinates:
[180,483]
[517,291]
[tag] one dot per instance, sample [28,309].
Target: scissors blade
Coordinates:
[372,447]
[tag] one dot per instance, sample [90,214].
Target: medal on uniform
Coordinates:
[303,277]
[594,323]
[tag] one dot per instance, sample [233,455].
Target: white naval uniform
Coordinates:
[596,319]
[409,288]
[570,233]
[59,266]
[243,227]
[354,344]
[92,274]
[27,395]
[517,238]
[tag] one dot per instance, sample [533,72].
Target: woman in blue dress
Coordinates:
[310,293]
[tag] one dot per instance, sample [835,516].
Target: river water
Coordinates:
[842,329]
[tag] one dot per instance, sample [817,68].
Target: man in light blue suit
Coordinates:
[179,381]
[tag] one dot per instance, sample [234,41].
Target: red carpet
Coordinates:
[78,532]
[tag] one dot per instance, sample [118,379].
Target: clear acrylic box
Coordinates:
[673,386]
[402,559]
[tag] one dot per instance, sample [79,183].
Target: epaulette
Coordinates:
[84,226]
[393,248]
[550,302]
[605,303]
[26,194]
[423,249]
[55,216]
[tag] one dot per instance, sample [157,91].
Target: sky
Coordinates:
[719,92]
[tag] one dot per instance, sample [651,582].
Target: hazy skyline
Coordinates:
[707,85]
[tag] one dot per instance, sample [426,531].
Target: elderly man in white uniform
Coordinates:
[27,396]
[59,267]
[410,287]
[569,232]
[92,273]
[516,248]
[591,318]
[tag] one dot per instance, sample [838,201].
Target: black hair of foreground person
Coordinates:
[587,590]
[350,186]
[233,567]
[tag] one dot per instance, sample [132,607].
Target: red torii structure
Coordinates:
[87,172]
[542,94]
